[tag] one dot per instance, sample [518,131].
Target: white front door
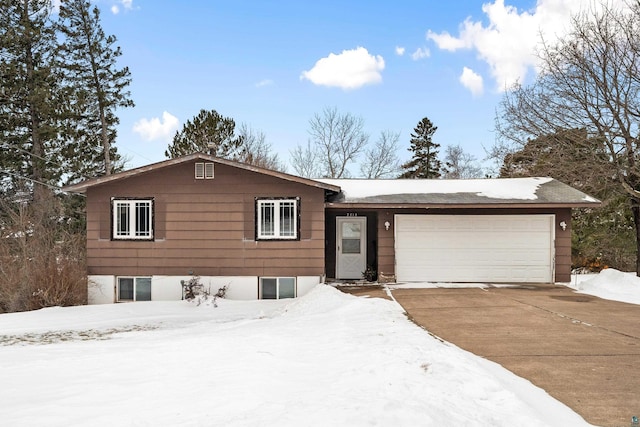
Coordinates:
[351,248]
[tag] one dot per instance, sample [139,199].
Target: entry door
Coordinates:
[351,238]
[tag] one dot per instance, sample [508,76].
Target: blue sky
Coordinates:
[274,64]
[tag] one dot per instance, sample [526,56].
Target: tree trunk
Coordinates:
[106,145]
[37,145]
[635,208]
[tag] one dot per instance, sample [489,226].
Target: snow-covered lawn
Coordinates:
[325,359]
[609,284]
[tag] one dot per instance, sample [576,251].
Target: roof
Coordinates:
[495,192]
[84,185]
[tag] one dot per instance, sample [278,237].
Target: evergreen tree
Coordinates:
[424,163]
[208,132]
[96,87]
[602,236]
[28,97]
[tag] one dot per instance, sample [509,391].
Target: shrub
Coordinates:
[193,290]
[370,274]
[42,262]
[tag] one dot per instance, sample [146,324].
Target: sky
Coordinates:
[272,65]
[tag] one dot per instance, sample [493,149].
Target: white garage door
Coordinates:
[474,248]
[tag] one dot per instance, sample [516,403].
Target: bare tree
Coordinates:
[460,165]
[335,141]
[305,161]
[603,236]
[256,151]
[590,80]
[381,160]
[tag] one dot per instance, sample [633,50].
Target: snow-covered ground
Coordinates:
[609,284]
[325,359]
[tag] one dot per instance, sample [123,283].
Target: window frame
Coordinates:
[277,279]
[207,170]
[134,290]
[131,202]
[277,201]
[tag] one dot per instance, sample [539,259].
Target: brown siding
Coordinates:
[205,227]
[386,247]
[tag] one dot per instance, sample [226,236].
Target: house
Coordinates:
[269,234]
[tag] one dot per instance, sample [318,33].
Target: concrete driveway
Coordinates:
[582,350]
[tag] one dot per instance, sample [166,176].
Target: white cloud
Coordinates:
[157,129]
[472,81]
[420,53]
[265,82]
[126,4]
[508,42]
[399,50]
[350,69]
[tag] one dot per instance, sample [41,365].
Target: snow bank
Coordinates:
[609,284]
[324,359]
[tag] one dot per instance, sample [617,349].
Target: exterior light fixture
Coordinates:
[563,225]
[387,224]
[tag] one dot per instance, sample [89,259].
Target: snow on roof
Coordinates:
[503,188]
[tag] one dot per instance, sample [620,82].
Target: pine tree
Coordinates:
[96,87]
[28,97]
[424,163]
[208,132]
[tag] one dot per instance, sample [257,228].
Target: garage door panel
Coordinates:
[507,248]
[482,259]
[458,240]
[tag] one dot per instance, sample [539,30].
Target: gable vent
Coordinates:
[204,171]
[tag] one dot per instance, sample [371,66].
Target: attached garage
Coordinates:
[474,248]
[506,230]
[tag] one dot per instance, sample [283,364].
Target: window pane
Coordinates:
[143,289]
[351,230]
[208,170]
[287,287]
[287,219]
[351,237]
[143,219]
[350,246]
[199,170]
[125,289]
[267,213]
[122,219]
[269,288]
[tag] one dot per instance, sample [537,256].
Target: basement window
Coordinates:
[277,287]
[134,289]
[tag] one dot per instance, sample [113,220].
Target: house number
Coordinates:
[352,214]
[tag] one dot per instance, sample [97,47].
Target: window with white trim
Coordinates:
[204,171]
[277,287]
[277,219]
[132,219]
[134,289]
